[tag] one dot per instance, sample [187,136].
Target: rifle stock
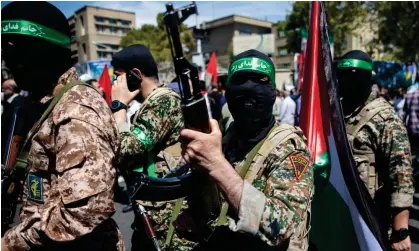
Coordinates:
[204,200]
[11,180]
[14,151]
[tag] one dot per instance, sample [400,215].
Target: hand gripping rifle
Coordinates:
[10,180]
[203,196]
[201,193]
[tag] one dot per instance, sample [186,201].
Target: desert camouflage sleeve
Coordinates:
[274,204]
[160,119]
[394,144]
[85,178]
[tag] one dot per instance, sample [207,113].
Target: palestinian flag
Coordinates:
[343,216]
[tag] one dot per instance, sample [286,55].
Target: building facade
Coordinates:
[221,33]
[282,58]
[97,32]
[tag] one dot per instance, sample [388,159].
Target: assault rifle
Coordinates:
[203,196]
[201,193]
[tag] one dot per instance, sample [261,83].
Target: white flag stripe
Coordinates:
[366,240]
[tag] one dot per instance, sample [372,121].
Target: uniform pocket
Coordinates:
[80,183]
[71,155]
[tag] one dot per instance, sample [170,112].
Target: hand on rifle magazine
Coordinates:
[206,151]
[203,149]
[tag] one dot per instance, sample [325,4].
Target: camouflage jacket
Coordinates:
[385,136]
[68,192]
[273,204]
[157,126]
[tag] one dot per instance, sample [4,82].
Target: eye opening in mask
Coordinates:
[242,77]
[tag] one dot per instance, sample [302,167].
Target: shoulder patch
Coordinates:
[35,189]
[142,137]
[300,165]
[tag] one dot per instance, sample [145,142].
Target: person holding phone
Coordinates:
[150,144]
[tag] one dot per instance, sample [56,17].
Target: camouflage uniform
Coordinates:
[155,128]
[68,192]
[275,204]
[382,153]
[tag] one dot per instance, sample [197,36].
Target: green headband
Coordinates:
[252,64]
[28,28]
[354,63]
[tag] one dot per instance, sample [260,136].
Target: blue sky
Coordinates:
[146,12]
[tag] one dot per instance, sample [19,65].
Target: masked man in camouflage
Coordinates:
[380,145]
[264,171]
[150,145]
[68,189]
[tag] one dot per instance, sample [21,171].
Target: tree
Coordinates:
[398,28]
[342,19]
[155,38]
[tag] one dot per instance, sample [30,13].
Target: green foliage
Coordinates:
[398,28]
[155,38]
[342,19]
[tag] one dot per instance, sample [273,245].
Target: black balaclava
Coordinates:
[250,94]
[36,40]
[354,72]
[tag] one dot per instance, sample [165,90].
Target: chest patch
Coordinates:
[35,190]
[300,165]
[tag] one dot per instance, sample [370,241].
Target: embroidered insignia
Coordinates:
[300,165]
[35,191]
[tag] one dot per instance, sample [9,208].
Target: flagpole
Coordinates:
[310,86]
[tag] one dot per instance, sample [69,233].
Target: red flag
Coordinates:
[105,83]
[212,68]
[311,116]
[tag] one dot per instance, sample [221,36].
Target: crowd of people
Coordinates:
[254,152]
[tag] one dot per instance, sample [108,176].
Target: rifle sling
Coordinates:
[222,219]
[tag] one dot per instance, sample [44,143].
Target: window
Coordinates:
[99,19]
[113,30]
[104,54]
[100,28]
[112,21]
[82,21]
[82,31]
[282,51]
[114,46]
[101,54]
[84,54]
[283,65]
[125,22]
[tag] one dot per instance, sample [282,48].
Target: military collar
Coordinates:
[69,76]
